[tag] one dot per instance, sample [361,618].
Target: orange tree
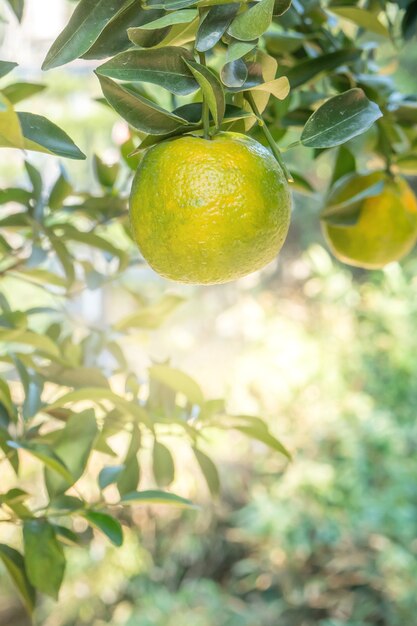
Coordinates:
[289,74]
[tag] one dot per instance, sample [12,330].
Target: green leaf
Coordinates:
[65,504]
[178,381]
[155,497]
[108,525]
[66,535]
[339,119]
[238,49]
[278,43]
[180,34]
[15,565]
[212,90]
[409,21]
[161,66]
[253,22]
[170,5]
[73,445]
[144,38]
[407,164]
[304,71]
[94,395]
[35,179]
[215,23]
[109,475]
[184,16]
[45,454]
[253,427]
[43,343]
[234,73]
[17,92]
[347,211]
[87,22]
[114,38]
[10,131]
[344,164]
[60,191]
[362,18]
[17,7]
[44,557]
[139,112]
[6,67]
[129,478]
[42,135]
[163,465]
[151,316]
[106,174]
[74,376]
[209,471]
[6,400]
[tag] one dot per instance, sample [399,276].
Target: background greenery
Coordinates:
[327,355]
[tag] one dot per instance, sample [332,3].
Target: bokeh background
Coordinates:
[326,354]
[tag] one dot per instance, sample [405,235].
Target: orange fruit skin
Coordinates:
[209,211]
[387,226]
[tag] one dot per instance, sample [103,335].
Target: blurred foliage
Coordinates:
[329,541]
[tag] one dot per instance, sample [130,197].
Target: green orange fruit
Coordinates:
[209,211]
[386,229]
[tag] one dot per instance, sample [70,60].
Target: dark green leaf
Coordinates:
[409,22]
[234,74]
[304,71]
[6,67]
[109,475]
[281,6]
[42,135]
[108,525]
[139,112]
[15,565]
[144,38]
[215,23]
[114,38]
[339,119]
[184,16]
[44,557]
[283,42]
[161,66]
[87,22]
[170,5]
[212,90]
[344,164]
[253,22]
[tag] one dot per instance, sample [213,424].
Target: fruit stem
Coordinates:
[206,118]
[268,136]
